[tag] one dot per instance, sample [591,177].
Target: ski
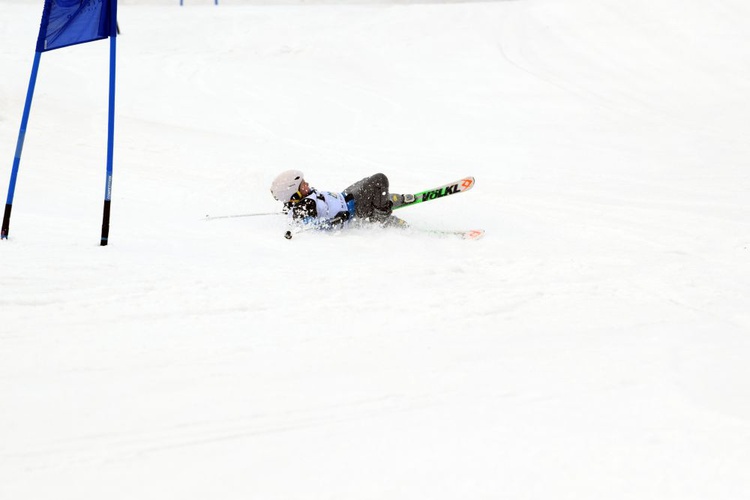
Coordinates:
[471,234]
[407,200]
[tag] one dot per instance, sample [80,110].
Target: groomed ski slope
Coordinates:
[593,345]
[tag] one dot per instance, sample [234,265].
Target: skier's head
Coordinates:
[289,186]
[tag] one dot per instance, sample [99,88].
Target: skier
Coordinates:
[367,200]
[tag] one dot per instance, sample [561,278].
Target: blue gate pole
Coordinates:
[110,127]
[19,147]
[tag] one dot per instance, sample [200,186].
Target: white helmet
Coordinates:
[286,184]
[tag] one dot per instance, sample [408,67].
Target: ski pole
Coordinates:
[214,217]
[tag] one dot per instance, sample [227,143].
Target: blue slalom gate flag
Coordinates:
[69,22]
[65,23]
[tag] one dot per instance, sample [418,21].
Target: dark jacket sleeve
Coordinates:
[305,208]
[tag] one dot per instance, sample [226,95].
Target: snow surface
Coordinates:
[594,345]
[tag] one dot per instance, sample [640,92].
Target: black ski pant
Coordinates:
[370,198]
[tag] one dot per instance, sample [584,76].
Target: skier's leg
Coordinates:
[371,197]
[377,190]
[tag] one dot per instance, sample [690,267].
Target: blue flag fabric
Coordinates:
[69,22]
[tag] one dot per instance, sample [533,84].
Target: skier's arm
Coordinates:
[306,213]
[338,220]
[305,208]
